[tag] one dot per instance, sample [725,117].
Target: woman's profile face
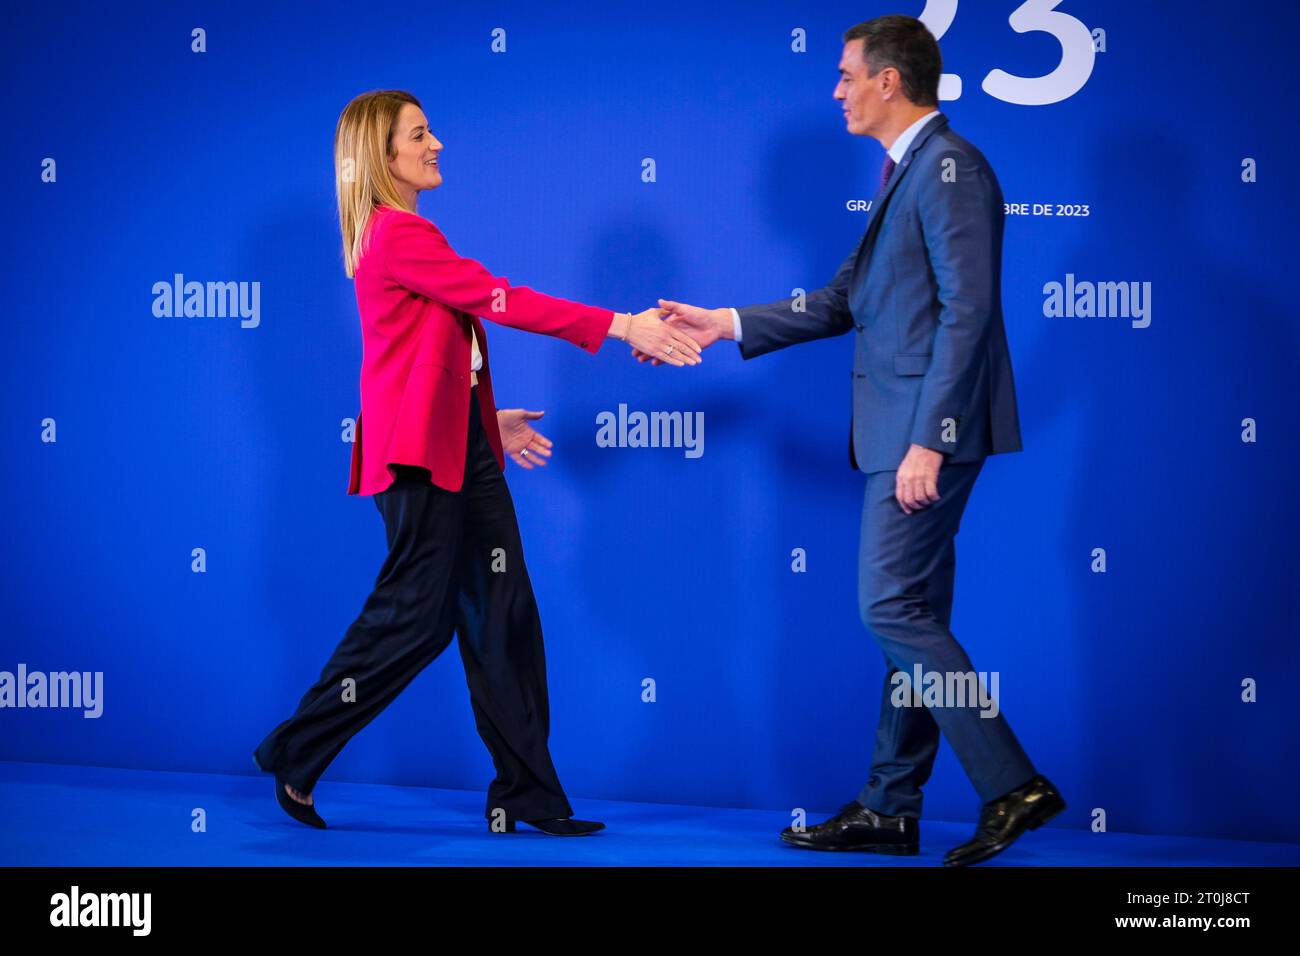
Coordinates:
[414,151]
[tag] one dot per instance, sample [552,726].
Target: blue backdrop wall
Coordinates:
[133,439]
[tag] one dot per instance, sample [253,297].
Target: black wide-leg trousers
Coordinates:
[455,564]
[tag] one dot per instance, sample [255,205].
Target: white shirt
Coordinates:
[476,357]
[896,153]
[899,149]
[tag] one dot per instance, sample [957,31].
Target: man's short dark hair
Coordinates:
[906,44]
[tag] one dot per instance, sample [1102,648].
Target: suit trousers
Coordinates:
[905,591]
[455,564]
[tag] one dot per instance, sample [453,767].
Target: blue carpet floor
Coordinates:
[87,816]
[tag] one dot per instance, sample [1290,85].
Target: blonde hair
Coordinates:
[362,147]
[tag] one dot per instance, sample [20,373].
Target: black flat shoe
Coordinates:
[556,826]
[1003,820]
[302,812]
[857,827]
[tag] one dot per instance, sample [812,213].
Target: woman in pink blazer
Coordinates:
[430,447]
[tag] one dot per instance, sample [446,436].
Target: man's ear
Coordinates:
[889,83]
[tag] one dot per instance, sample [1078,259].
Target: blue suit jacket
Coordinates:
[923,290]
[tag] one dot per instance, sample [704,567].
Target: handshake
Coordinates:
[675,333]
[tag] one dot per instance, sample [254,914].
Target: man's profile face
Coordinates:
[859,94]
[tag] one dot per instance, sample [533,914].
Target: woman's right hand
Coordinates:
[647,333]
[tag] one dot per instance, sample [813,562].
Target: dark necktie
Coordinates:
[886,171]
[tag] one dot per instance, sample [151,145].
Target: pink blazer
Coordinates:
[418,300]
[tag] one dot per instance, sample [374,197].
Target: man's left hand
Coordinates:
[916,483]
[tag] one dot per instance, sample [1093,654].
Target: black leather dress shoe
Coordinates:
[856,827]
[556,826]
[1003,820]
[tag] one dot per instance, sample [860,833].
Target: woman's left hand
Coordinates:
[518,439]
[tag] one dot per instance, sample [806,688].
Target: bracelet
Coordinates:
[627,330]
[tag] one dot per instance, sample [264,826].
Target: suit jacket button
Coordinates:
[584,345]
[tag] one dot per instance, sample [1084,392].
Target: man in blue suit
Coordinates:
[933,396]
